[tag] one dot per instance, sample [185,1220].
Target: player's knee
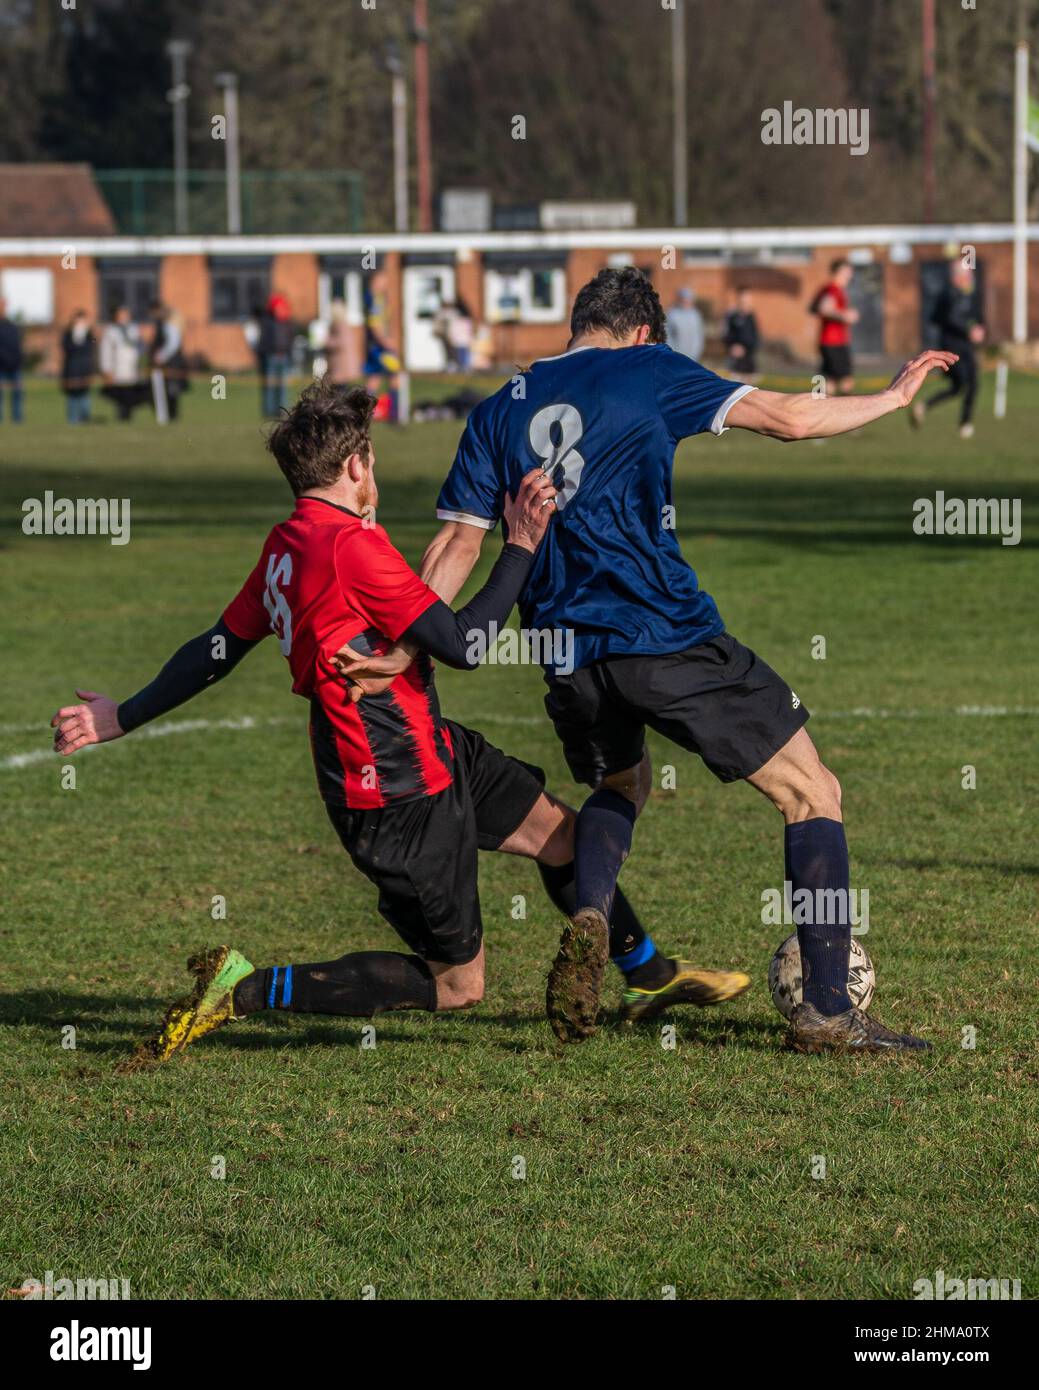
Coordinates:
[809,796]
[633,783]
[822,797]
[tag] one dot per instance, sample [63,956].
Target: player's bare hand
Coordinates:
[95,721]
[372,674]
[528,513]
[912,376]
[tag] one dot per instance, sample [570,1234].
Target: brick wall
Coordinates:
[782,292]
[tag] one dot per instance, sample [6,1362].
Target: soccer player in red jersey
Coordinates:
[836,317]
[412,796]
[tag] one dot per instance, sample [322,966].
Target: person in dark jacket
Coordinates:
[960,321]
[166,360]
[10,364]
[78,367]
[741,335]
[274,349]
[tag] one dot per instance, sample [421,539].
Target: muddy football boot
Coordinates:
[209,1006]
[575,980]
[688,985]
[851,1031]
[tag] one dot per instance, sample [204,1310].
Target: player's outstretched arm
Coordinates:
[788,416]
[203,661]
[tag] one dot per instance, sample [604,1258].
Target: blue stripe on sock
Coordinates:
[286,992]
[274,988]
[635,958]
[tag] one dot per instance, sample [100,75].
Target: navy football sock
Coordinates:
[358,985]
[632,949]
[602,839]
[816,854]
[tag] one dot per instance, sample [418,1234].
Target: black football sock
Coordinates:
[817,863]
[632,949]
[358,985]
[602,839]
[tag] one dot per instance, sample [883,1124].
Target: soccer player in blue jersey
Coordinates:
[650,648]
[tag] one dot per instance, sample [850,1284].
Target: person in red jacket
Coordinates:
[836,317]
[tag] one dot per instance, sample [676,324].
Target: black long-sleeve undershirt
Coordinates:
[203,661]
[446,635]
[459,639]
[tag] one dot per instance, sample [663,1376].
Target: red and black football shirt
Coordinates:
[324,578]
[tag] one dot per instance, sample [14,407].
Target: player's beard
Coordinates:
[369,494]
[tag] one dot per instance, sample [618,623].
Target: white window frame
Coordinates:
[31,286]
[354,297]
[495,282]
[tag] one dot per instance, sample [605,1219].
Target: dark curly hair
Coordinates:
[617,302]
[318,434]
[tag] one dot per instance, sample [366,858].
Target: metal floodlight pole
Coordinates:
[680,135]
[1020,326]
[395,67]
[928,46]
[228,82]
[177,50]
[423,138]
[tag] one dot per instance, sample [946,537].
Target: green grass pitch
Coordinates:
[393,1166]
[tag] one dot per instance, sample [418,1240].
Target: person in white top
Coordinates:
[120,357]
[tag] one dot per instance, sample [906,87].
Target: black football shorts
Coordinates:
[422,854]
[716,699]
[835,363]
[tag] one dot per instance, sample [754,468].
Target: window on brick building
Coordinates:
[131,280]
[238,287]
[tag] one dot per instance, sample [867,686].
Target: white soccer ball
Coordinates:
[784,976]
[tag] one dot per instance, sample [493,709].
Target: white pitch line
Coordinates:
[15,761]
[181,726]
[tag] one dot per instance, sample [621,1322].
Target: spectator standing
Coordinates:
[960,321]
[78,367]
[341,346]
[274,349]
[685,331]
[460,332]
[10,364]
[120,355]
[741,335]
[166,358]
[836,317]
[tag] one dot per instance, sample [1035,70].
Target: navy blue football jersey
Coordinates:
[604,422]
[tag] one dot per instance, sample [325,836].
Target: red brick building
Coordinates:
[58,253]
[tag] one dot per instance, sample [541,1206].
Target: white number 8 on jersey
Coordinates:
[553,434]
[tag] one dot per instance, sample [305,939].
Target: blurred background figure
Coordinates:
[78,367]
[685,331]
[960,320]
[10,364]
[836,316]
[443,324]
[120,355]
[274,350]
[169,366]
[460,331]
[341,346]
[385,391]
[741,335]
